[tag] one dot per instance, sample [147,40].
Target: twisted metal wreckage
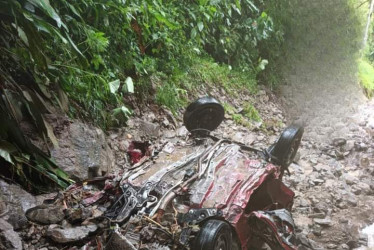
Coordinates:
[205,193]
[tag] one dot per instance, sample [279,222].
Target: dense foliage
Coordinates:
[91,48]
[92,58]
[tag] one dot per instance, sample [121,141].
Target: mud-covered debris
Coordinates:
[118,242]
[69,235]
[78,215]
[169,148]
[137,150]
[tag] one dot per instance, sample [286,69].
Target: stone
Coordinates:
[123,145]
[17,202]
[317,230]
[149,129]
[350,179]
[337,142]
[332,246]
[8,238]
[182,131]
[343,247]
[45,214]
[69,235]
[318,181]
[323,222]
[350,145]
[83,151]
[317,215]
[351,200]
[364,162]
[169,134]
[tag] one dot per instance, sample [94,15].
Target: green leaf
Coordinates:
[50,133]
[262,64]
[6,149]
[46,7]
[129,84]
[114,85]
[200,26]
[22,35]
[193,33]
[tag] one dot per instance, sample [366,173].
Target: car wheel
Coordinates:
[284,150]
[205,114]
[214,235]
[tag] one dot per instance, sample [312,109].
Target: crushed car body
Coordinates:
[200,193]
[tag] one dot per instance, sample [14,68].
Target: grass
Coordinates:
[173,91]
[366,76]
[251,112]
[245,117]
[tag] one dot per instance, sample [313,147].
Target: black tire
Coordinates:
[214,235]
[284,150]
[205,114]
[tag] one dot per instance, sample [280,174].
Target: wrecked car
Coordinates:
[207,192]
[199,192]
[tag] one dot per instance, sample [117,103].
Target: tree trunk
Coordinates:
[368,24]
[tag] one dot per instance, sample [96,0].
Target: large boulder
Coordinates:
[83,152]
[8,238]
[14,202]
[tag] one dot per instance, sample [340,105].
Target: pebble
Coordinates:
[323,222]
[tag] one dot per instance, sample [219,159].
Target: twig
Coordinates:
[156,223]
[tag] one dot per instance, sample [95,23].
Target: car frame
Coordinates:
[213,193]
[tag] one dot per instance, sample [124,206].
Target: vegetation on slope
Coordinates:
[366,75]
[92,59]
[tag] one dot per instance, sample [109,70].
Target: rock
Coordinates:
[83,152]
[361,187]
[351,200]
[303,202]
[364,162]
[17,201]
[78,215]
[149,129]
[343,247]
[317,230]
[318,181]
[350,145]
[332,246]
[69,235]
[321,207]
[8,238]
[353,244]
[337,142]
[323,222]
[45,214]
[239,137]
[350,179]
[317,215]
[169,134]
[182,131]
[361,146]
[123,145]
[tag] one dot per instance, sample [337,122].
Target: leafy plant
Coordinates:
[251,112]
[366,76]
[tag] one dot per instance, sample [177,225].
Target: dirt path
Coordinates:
[334,176]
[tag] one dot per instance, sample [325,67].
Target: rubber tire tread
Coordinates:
[194,115]
[210,232]
[283,146]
